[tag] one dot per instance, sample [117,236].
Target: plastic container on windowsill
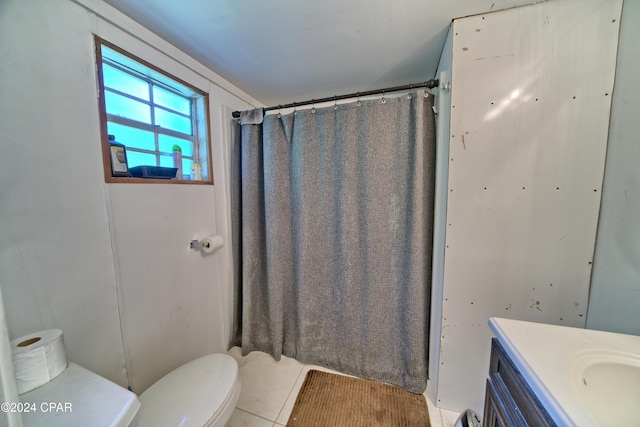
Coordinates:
[153,172]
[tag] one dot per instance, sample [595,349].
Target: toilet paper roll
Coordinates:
[38,358]
[211,243]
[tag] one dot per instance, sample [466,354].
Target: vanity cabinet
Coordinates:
[509,401]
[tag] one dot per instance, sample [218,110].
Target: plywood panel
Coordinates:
[56,267]
[170,298]
[531,90]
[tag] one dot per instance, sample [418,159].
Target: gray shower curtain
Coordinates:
[332,216]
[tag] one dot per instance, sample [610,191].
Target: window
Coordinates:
[153,121]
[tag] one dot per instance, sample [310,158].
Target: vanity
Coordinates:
[547,375]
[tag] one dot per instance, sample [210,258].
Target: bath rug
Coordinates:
[330,400]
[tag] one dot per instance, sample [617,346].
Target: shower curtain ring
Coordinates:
[409,96]
[384,101]
[335,102]
[313,106]
[295,111]
[279,111]
[358,103]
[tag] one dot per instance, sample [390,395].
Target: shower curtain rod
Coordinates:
[429,84]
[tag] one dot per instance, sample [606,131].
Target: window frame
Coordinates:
[203,117]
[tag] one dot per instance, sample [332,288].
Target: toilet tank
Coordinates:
[79,398]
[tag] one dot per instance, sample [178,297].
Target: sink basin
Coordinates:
[607,384]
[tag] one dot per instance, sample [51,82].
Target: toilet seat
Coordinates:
[200,393]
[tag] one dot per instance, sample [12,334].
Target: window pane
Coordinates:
[119,105]
[172,121]
[186,169]
[119,80]
[171,100]
[135,158]
[132,137]
[167,142]
[166,161]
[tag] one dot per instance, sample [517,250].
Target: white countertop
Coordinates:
[549,357]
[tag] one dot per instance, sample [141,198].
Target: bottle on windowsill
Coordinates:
[196,172]
[177,160]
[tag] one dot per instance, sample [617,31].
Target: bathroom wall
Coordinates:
[614,302]
[443,122]
[73,247]
[109,264]
[530,102]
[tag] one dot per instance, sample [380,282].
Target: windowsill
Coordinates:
[128,180]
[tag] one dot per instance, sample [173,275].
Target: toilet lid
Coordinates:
[191,394]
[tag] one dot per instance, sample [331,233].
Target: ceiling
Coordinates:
[280,51]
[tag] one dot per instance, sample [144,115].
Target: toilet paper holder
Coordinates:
[196,245]
[208,244]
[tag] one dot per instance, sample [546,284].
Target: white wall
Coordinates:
[108,264]
[530,101]
[443,122]
[614,303]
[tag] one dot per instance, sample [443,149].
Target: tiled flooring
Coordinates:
[269,389]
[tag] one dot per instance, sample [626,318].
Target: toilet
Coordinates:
[189,395]
[200,393]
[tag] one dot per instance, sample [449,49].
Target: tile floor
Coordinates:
[269,389]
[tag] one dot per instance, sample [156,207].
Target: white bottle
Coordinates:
[177,160]
[196,172]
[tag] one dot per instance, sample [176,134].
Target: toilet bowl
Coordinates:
[201,393]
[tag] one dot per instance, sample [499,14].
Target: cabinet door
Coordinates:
[509,401]
[500,409]
[490,418]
